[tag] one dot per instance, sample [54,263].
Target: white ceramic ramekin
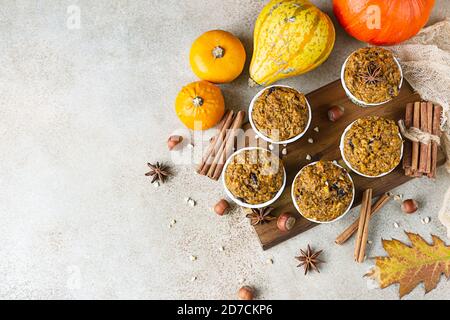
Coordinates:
[341,147]
[247,205]
[260,134]
[360,102]
[312,220]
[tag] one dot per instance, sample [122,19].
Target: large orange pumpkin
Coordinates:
[382,22]
[200,105]
[217,56]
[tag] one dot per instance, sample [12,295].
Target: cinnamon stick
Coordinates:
[423,147]
[216,144]
[351,229]
[217,166]
[436,130]
[407,151]
[429,130]
[363,226]
[415,145]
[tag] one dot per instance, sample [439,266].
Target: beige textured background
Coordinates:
[83,110]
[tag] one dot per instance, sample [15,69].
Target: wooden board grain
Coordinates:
[326,147]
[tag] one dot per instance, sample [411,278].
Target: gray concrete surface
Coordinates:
[84,107]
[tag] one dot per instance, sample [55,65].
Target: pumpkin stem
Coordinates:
[218,52]
[197,101]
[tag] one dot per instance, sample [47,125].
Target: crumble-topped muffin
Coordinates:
[280,113]
[323,191]
[373,146]
[254,176]
[372,75]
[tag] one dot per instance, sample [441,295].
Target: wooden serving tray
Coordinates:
[326,147]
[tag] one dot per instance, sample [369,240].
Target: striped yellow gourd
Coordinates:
[291,37]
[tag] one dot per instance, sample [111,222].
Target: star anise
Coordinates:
[309,259]
[260,216]
[158,171]
[371,75]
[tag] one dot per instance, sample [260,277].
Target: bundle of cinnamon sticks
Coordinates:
[420,159]
[221,145]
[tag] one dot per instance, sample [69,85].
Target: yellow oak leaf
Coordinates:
[410,265]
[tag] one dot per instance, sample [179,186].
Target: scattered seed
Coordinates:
[398,197]
[271,146]
[316,129]
[308,157]
[191,202]
[156,184]
[173,221]
[242,280]
[221,249]
[310,140]
[369,242]
[426,220]
[190,146]
[193,279]
[284,151]
[396,225]
[269,261]
[186,199]
[193,258]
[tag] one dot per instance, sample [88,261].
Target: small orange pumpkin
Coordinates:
[217,56]
[200,105]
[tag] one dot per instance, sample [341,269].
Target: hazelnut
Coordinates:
[173,141]
[221,207]
[335,112]
[245,293]
[285,222]
[409,206]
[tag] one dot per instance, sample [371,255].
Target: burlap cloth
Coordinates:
[425,61]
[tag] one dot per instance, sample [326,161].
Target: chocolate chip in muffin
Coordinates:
[341,193]
[254,179]
[350,143]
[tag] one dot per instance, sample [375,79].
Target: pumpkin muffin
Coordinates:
[372,75]
[323,191]
[373,146]
[254,176]
[280,113]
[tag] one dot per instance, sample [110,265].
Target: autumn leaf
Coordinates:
[411,265]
